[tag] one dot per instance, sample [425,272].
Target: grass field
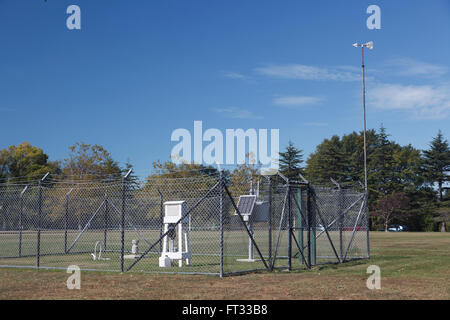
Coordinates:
[413,266]
[204,247]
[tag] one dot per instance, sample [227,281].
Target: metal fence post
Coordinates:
[66,219]
[3,206]
[66,214]
[340,215]
[105,231]
[21,220]
[122,220]
[161,218]
[341,221]
[309,215]
[270,223]
[221,222]
[38,242]
[368,222]
[313,233]
[300,223]
[250,225]
[289,228]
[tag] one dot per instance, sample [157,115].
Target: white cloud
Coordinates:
[233,75]
[304,72]
[293,101]
[422,101]
[412,67]
[237,113]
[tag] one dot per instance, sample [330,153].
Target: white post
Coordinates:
[180,244]
[164,241]
[250,243]
[186,245]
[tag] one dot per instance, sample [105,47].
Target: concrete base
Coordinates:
[165,262]
[131,256]
[247,260]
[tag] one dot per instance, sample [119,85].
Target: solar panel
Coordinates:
[245,204]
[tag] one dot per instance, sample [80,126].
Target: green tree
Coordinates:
[169,169]
[353,147]
[436,162]
[381,164]
[25,161]
[391,167]
[185,181]
[328,161]
[87,161]
[242,179]
[406,167]
[291,161]
[133,180]
[4,162]
[442,215]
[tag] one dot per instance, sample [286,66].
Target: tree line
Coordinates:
[406,185]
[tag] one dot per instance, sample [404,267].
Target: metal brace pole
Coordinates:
[130,224]
[354,229]
[326,231]
[303,179]
[174,225]
[342,214]
[246,228]
[85,227]
[283,177]
[300,250]
[279,233]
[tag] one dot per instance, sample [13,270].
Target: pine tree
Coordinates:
[436,162]
[353,146]
[328,161]
[290,161]
[133,180]
[381,163]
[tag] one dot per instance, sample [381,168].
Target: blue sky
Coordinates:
[137,70]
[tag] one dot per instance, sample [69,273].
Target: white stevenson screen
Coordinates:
[172,211]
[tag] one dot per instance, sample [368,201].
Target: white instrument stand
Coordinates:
[173,213]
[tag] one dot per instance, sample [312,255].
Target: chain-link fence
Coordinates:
[205,224]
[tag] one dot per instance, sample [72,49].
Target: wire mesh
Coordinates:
[119,226]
